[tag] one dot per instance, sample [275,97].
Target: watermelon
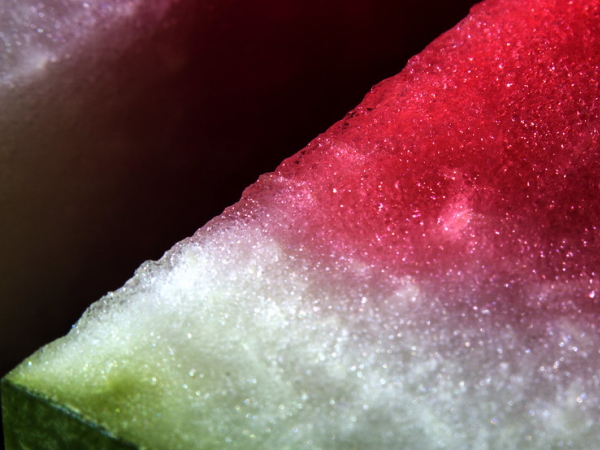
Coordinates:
[421,276]
[126,120]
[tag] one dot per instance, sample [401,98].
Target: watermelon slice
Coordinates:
[96,176]
[421,276]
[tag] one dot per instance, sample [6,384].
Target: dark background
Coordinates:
[126,151]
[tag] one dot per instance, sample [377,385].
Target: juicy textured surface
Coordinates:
[483,149]
[422,276]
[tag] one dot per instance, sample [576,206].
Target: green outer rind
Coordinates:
[31,422]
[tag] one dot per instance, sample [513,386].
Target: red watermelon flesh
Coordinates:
[476,166]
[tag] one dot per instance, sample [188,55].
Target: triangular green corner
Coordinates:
[31,422]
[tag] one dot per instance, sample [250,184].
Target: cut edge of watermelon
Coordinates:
[33,422]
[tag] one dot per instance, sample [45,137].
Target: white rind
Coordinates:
[233,341]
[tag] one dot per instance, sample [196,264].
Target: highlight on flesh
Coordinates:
[423,275]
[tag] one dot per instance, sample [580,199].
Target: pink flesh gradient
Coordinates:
[476,166]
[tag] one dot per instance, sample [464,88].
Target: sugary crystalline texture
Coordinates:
[424,275]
